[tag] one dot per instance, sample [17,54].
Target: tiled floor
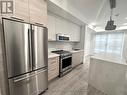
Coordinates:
[74,83]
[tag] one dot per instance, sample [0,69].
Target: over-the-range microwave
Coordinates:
[62,37]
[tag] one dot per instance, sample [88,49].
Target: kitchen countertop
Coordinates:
[110,58]
[75,51]
[51,55]
[108,73]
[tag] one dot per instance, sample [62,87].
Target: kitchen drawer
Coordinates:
[52,73]
[53,68]
[53,62]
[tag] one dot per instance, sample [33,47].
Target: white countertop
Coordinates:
[75,51]
[110,58]
[51,55]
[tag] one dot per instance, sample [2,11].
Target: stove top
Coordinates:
[62,52]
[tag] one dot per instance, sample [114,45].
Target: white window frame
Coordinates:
[107,33]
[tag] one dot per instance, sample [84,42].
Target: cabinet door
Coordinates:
[38,11]
[74,32]
[53,68]
[77,33]
[20,10]
[59,25]
[77,58]
[51,28]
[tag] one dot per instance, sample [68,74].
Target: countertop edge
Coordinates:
[76,51]
[52,55]
[121,62]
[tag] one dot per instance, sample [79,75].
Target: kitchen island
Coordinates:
[108,74]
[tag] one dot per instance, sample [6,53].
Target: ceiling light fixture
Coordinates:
[110,24]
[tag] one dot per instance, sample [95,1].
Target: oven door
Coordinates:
[66,63]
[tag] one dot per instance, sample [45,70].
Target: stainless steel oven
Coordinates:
[65,64]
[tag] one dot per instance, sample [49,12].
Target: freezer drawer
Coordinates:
[29,84]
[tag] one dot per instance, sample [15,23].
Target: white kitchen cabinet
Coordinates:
[53,68]
[59,25]
[51,28]
[74,32]
[62,26]
[38,11]
[77,58]
[68,28]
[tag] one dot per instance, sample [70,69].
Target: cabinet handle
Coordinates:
[15,18]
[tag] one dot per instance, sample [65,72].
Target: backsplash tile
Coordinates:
[60,45]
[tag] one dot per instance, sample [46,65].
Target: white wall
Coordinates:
[88,41]
[125,46]
[80,45]
[60,45]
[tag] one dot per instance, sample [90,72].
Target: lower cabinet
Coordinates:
[77,58]
[53,68]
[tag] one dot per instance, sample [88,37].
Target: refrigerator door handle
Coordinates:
[30,48]
[33,48]
[18,80]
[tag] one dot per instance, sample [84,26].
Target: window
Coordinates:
[110,43]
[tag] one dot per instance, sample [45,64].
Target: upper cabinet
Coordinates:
[57,25]
[33,11]
[21,9]
[75,32]
[51,28]
[38,11]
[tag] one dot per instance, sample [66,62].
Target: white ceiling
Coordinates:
[97,12]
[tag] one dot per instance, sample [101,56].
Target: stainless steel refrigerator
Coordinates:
[26,57]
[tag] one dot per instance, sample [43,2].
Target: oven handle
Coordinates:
[66,57]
